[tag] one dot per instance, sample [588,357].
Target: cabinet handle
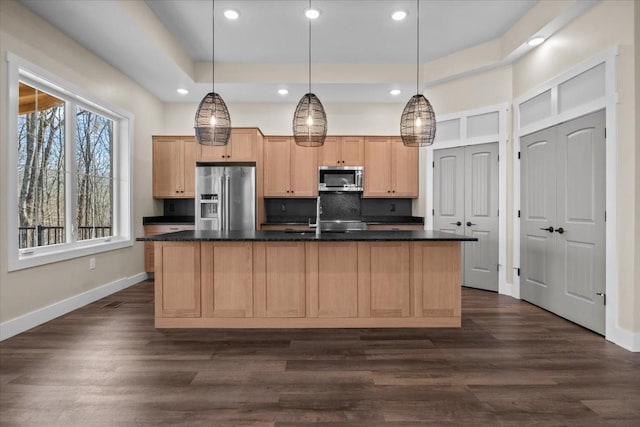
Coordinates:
[469,224]
[549,229]
[388,191]
[560,230]
[456,223]
[393,191]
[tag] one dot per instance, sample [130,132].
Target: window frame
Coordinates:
[18,70]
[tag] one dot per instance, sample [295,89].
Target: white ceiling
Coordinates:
[159,43]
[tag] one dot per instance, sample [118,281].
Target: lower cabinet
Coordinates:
[280,279]
[383,269]
[307,284]
[226,271]
[177,279]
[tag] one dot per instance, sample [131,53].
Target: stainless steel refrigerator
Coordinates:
[225,197]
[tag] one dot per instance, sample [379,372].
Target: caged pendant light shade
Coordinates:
[309,119]
[418,121]
[212,122]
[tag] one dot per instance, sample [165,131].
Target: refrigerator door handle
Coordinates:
[227,203]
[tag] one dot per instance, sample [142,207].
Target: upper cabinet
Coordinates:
[289,170]
[174,166]
[241,148]
[342,151]
[390,168]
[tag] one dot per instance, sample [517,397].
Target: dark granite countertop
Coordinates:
[156,220]
[275,236]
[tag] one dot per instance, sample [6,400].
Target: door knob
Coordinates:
[549,229]
[457,223]
[560,230]
[469,224]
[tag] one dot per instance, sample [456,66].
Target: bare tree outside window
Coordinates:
[94,155]
[41,168]
[42,177]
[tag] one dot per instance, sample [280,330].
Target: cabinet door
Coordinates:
[177,283]
[189,167]
[304,171]
[280,279]
[212,153]
[227,279]
[384,280]
[242,146]
[377,167]
[277,170]
[404,169]
[352,150]
[331,152]
[437,278]
[337,294]
[167,169]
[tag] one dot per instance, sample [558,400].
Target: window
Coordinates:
[69,188]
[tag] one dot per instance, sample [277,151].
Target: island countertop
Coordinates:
[307,236]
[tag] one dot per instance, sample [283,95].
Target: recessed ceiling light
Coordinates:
[283,91]
[312,13]
[398,15]
[395,92]
[182,91]
[536,41]
[231,14]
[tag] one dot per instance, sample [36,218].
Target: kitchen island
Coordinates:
[277,279]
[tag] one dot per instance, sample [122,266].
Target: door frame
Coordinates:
[608,102]
[501,137]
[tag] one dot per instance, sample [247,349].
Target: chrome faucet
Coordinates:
[318,212]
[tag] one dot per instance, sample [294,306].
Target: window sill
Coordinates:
[49,255]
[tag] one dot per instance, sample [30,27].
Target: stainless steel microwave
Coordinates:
[340,178]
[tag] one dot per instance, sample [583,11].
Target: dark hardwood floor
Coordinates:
[510,364]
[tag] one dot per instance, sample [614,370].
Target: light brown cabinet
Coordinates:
[280,279]
[242,147]
[342,151]
[385,268]
[153,229]
[390,168]
[177,279]
[227,279]
[174,167]
[307,284]
[289,170]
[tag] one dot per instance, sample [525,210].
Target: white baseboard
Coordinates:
[27,321]
[624,338]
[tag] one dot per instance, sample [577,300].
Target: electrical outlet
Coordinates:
[92,263]
[393,207]
[283,207]
[172,207]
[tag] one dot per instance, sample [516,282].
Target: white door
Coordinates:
[563,196]
[466,202]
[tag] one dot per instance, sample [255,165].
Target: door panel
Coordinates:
[353,150]
[481,216]
[580,212]
[277,169]
[538,211]
[377,167]
[448,188]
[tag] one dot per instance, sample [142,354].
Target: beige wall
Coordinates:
[607,24]
[28,36]
[636,121]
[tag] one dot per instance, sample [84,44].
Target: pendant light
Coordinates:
[309,119]
[212,122]
[418,121]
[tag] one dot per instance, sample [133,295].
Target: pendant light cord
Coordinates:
[417,46]
[213,45]
[309,48]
